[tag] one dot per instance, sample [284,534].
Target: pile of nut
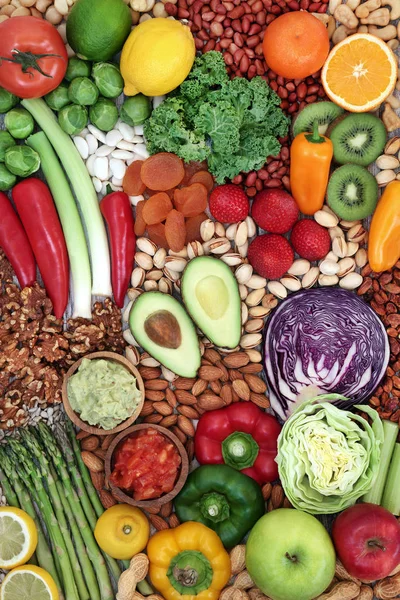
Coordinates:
[389,162]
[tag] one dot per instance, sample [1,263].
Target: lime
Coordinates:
[18,537]
[97,29]
[29,583]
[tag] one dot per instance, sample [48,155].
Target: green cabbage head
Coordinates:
[328,457]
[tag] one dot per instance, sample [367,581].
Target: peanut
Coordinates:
[345,590]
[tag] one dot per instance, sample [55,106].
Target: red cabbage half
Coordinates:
[324,337]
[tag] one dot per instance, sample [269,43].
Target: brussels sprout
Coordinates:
[77,68]
[136,110]
[7,100]
[83,91]
[108,79]
[7,179]
[6,141]
[104,114]
[73,118]
[22,160]
[58,98]
[19,123]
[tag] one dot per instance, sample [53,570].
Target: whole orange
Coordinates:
[296,45]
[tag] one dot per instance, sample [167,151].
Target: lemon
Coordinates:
[18,537]
[29,583]
[157,57]
[122,531]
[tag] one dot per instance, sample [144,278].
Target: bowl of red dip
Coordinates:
[146,466]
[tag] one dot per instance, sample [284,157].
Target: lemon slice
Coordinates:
[29,583]
[18,537]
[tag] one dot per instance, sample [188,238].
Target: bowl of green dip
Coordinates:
[103,393]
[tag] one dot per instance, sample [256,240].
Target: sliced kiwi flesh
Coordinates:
[352,192]
[357,138]
[323,112]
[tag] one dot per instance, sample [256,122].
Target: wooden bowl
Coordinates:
[156,502]
[124,362]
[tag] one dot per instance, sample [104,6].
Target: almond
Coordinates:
[185,397]
[153,510]
[90,443]
[154,395]
[260,400]
[210,402]
[153,419]
[242,389]
[216,387]
[184,383]
[98,480]
[163,408]
[234,375]
[251,368]
[243,581]
[150,372]
[156,384]
[179,433]
[188,411]
[185,425]
[169,421]
[277,496]
[226,394]
[158,522]
[106,443]
[210,373]
[236,360]
[199,387]
[212,355]
[107,499]
[238,559]
[174,521]
[100,453]
[93,462]
[190,449]
[166,509]
[147,408]
[171,397]
[256,384]
[225,374]
[81,435]
[267,490]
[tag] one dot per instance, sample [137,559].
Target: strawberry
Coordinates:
[229,204]
[275,211]
[310,240]
[270,255]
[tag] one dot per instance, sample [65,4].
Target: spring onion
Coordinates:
[71,224]
[84,191]
[390,431]
[391,493]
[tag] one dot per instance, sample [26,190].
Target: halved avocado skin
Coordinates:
[184,360]
[226,331]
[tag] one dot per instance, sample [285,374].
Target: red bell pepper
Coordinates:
[35,206]
[117,211]
[241,436]
[15,243]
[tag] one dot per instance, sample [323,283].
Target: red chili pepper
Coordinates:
[38,214]
[15,243]
[117,211]
[241,436]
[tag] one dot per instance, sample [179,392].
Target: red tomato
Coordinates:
[33,57]
[146,464]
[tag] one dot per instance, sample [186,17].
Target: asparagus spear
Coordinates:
[95,555]
[32,445]
[8,491]
[43,552]
[29,472]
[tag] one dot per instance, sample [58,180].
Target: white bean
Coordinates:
[135,158]
[82,146]
[142,150]
[127,131]
[134,200]
[139,129]
[104,150]
[84,132]
[157,100]
[122,154]
[101,167]
[118,168]
[90,164]
[123,145]
[116,181]
[97,184]
[99,135]
[113,137]
[92,143]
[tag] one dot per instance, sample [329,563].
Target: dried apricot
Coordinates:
[132,183]
[157,235]
[175,230]
[193,227]
[192,168]
[140,223]
[205,178]
[156,208]
[162,171]
[191,200]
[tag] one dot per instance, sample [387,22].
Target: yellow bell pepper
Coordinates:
[188,563]
[122,531]
[384,232]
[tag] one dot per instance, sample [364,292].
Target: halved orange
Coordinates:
[360,73]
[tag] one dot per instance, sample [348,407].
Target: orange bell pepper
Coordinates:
[310,160]
[384,232]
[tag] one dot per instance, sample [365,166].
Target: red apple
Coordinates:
[367,540]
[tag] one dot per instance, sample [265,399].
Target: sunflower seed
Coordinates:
[310,278]
[300,267]
[351,281]
[326,219]
[277,289]
[137,277]
[243,273]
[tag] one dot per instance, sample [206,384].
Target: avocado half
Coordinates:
[162,327]
[211,296]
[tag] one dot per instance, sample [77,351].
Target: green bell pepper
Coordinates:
[223,499]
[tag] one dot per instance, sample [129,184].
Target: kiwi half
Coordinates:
[352,192]
[357,138]
[323,112]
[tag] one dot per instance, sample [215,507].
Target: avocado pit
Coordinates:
[163,329]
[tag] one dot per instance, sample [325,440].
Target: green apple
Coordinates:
[290,556]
